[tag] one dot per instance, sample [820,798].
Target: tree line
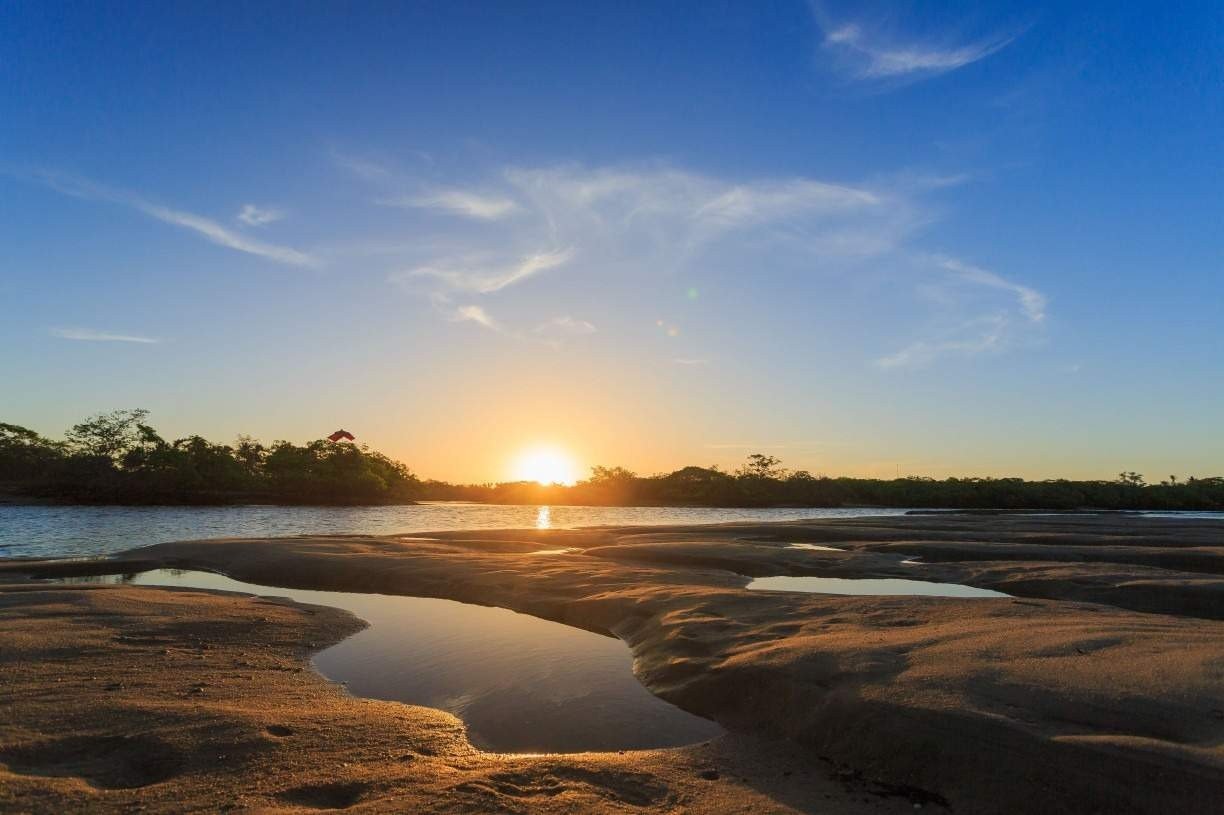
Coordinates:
[763,482]
[119,458]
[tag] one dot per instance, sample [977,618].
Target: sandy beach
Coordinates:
[1096,686]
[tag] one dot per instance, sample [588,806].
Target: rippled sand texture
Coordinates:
[1095,687]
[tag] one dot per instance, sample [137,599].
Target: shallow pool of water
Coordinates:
[875,586]
[521,684]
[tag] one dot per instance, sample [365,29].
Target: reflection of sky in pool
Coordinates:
[813,547]
[887,585]
[521,684]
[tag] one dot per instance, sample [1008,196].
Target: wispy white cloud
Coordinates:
[209,229]
[873,50]
[90,335]
[475,314]
[632,225]
[253,215]
[483,275]
[770,200]
[218,234]
[559,331]
[660,220]
[1032,302]
[982,337]
[877,59]
[627,229]
[363,167]
[565,325]
[1000,324]
[460,202]
[624,198]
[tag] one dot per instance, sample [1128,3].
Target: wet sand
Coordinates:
[1098,686]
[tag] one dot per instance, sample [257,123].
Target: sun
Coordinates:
[547,465]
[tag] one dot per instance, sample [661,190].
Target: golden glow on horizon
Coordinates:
[547,465]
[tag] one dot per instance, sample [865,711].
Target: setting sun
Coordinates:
[547,465]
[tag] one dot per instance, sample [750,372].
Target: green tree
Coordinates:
[611,476]
[111,435]
[760,466]
[250,453]
[24,454]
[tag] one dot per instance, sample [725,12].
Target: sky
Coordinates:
[973,239]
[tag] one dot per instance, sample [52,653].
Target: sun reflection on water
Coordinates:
[544,518]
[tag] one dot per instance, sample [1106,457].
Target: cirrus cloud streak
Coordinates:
[206,227]
[91,335]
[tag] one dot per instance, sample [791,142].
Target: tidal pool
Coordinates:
[519,683]
[885,585]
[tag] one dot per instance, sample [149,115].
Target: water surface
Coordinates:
[872,586]
[520,684]
[75,531]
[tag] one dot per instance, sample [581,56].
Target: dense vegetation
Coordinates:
[119,458]
[762,481]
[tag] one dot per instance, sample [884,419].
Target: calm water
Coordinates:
[814,547]
[44,531]
[876,586]
[520,684]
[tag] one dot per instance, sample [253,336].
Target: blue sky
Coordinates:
[978,239]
